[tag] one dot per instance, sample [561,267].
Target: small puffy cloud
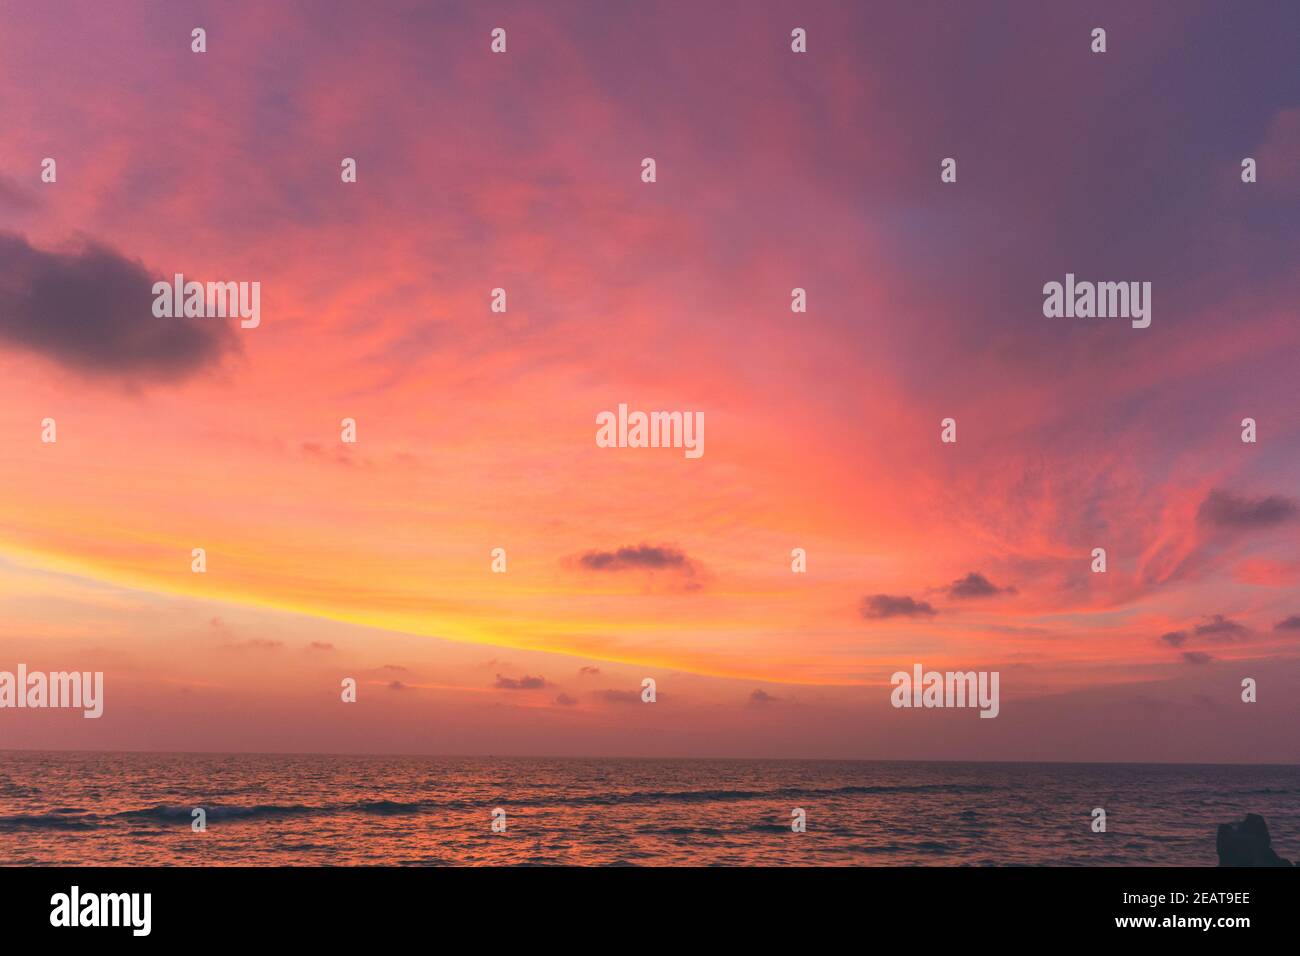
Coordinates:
[642,557]
[881,606]
[1223,509]
[976,585]
[564,700]
[1196,657]
[526,682]
[1175,638]
[1220,630]
[1291,623]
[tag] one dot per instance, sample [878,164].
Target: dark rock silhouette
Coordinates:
[1247,844]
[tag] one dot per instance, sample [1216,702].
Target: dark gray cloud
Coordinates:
[564,700]
[1221,630]
[1196,657]
[976,585]
[1292,623]
[91,310]
[761,698]
[880,606]
[640,557]
[526,682]
[1223,509]
[321,646]
[1175,638]
[397,685]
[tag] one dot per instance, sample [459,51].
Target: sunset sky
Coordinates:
[476,430]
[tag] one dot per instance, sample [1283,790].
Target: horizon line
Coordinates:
[482,756]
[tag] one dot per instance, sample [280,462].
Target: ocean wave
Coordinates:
[170,813]
[77,818]
[932,846]
[9,789]
[685,831]
[717,796]
[394,807]
[54,820]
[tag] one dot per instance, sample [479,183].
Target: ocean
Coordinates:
[124,809]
